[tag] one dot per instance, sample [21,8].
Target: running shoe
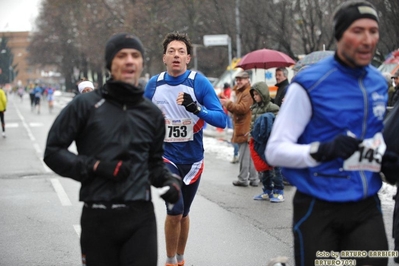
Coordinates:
[277,196]
[235,160]
[266,195]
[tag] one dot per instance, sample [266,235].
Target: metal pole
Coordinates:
[9,68]
[230,58]
[238,35]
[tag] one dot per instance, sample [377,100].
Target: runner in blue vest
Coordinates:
[327,136]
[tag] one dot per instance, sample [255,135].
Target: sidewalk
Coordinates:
[225,134]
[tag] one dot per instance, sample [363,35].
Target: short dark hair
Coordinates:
[176,36]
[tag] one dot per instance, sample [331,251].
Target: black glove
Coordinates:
[114,170]
[390,167]
[173,194]
[189,104]
[341,147]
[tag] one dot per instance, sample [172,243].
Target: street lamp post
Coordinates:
[9,69]
[4,51]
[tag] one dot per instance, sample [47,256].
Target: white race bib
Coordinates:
[369,155]
[178,130]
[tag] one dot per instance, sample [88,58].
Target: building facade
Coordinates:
[23,72]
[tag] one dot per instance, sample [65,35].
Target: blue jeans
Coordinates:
[272,179]
[235,146]
[229,122]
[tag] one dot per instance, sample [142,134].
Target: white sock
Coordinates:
[179,257]
[171,260]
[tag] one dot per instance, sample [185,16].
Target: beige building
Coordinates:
[18,42]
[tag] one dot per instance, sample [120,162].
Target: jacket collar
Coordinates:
[355,71]
[122,92]
[282,83]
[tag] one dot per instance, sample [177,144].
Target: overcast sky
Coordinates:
[18,15]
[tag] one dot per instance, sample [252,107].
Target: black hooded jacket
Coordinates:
[114,122]
[281,90]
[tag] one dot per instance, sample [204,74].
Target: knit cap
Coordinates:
[85,84]
[118,42]
[348,12]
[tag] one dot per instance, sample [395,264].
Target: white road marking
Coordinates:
[35,124]
[37,148]
[12,125]
[62,195]
[78,229]
[32,138]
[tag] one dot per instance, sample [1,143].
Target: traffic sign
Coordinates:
[216,40]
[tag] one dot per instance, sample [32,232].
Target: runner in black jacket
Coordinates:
[119,138]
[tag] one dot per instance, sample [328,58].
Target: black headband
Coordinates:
[347,14]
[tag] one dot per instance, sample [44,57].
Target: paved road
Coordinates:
[41,212]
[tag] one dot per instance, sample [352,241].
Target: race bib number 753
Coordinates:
[178,130]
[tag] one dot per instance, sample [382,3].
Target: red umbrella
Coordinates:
[265,58]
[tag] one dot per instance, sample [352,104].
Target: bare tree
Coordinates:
[72,34]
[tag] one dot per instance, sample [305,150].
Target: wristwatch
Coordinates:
[198,109]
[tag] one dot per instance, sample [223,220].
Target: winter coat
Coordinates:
[3,101]
[263,113]
[391,93]
[257,144]
[112,123]
[262,107]
[395,96]
[241,114]
[281,90]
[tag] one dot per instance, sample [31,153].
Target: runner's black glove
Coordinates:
[340,147]
[174,183]
[390,167]
[189,104]
[114,170]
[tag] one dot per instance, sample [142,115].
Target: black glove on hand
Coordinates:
[390,167]
[173,194]
[115,170]
[341,147]
[189,104]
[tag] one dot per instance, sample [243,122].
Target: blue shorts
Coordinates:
[187,191]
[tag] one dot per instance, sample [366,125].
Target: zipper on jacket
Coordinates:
[124,107]
[365,111]
[364,128]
